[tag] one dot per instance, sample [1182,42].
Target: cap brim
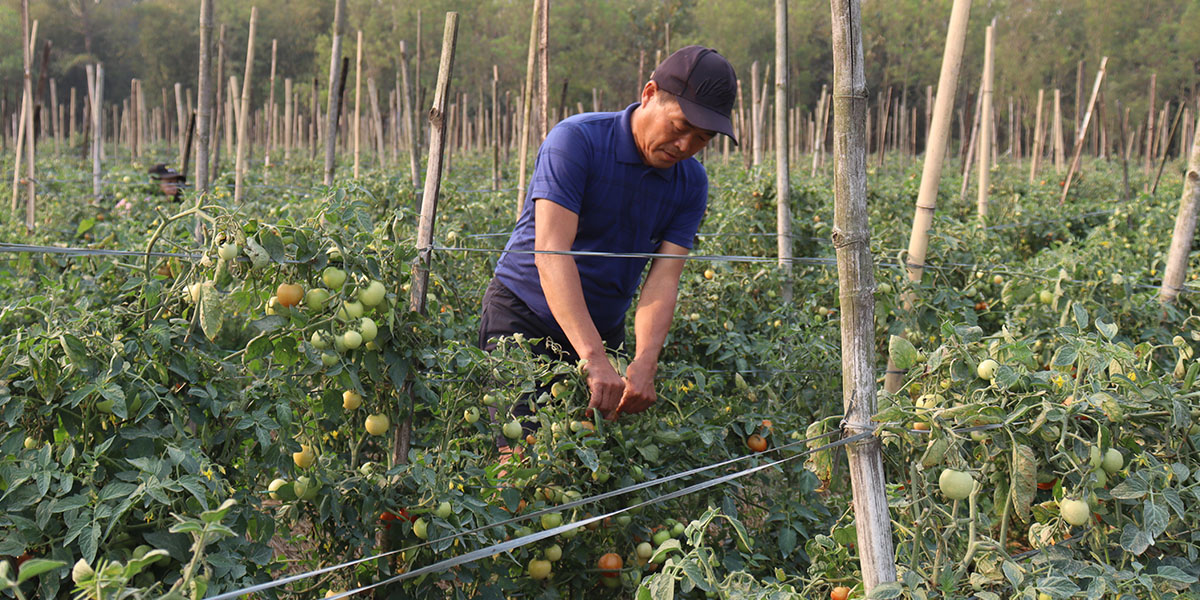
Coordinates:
[706,118]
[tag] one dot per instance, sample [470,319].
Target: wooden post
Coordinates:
[204,102]
[496,127]
[96,93]
[288,118]
[408,119]
[29,38]
[985,124]
[935,153]
[783,210]
[1185,227]
[55,125]
[219,105]
[755,117]
[429,200]
[271,110]
[544,67]
[70,120]
[357,102]
[1035,153]
[856,285]
[1082,133]
[377,119]
[818,134]
[180,119]
[332,109]
[527,109]
[1057,132]
[243,116]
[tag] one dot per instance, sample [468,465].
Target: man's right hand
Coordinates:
[606,386]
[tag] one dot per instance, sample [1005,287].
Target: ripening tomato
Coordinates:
[610,564]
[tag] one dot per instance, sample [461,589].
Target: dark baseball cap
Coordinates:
[705,85]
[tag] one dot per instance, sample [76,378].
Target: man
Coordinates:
[170,181]
[621,182]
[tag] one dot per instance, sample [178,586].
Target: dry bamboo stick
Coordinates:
[544,74]
[1057,132]
[243,142]
[1185,228]
[783,210]
[1035,153]
[527,109]
[357,127]
[985,119]
[204,102]
[271,111]
[1082,136]
[429,202]
[333,108]
[856,284]
[935,154]
[413,147]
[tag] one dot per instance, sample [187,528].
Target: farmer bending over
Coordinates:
[612,182]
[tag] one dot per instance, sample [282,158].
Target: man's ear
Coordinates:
[648,92]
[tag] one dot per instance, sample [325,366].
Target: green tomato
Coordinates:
[373,294]
[661,536]
[333,278]
[471,415]
[420,528]
[443,510]
[553,553]
[987,369]
[551,520]
[1075,512]
[316,298]
[1113,461]
[512,429]
[228,251]
[352,339]
[368,329]
[956,485]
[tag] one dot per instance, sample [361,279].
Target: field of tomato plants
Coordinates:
[193,419]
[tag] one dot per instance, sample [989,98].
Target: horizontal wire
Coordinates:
[534,537]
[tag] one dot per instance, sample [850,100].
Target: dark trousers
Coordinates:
[504,314]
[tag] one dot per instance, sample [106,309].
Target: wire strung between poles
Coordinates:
[534,537]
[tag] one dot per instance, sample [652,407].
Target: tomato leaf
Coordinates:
[36,566]
[901,352]
[886,591]
[1024,480]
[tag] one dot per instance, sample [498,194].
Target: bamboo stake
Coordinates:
[357,102]
[288,118]
[377,119]
[71,130]
[1167,141]
[856,284]
[243,116]
[1082,134]
[413,148]
[219,105]
[496,127]
[1185,228]
[29,38]
[527,109]
[1057,134]
[429,201]
[985,119]
[935,153]
[1035,154]
[96,76]
[333,108]
[755,116]
[271,111]
[783,210]
[544,65]
[56,126]
[818,135]
[180,119]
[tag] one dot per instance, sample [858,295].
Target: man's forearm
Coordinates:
[564,295]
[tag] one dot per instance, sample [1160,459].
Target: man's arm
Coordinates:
[651,321]
[555,230]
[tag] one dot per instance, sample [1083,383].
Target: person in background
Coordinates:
[619,182]
[170,181]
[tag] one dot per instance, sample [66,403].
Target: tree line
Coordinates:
[604,49]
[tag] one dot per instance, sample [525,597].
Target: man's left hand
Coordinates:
[639,387]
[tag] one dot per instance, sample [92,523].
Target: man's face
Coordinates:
[663,134]
[168,187]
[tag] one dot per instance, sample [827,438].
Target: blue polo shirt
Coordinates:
[590,165]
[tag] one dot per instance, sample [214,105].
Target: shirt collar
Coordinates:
[627,151]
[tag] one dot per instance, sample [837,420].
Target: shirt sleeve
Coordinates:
[560,171]
[683,228]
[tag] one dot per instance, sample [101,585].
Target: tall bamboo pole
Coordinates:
[27,56]
[1057,132]
[220,107]
[755,116]
[429,201]
[332,109]
[96,80]
[544,70]
[856,284]
[409,126]
[288,118]
[496,127]
[1185,227]
[935,153]
[527,108]
[243,116]
[377,120]
[986,132]
[357,102]
[783,210]
[818,131]
[204,102]
[271,110]
[1035,153]
[1081,136]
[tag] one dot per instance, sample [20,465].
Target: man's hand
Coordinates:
[639,387]
[606,387]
